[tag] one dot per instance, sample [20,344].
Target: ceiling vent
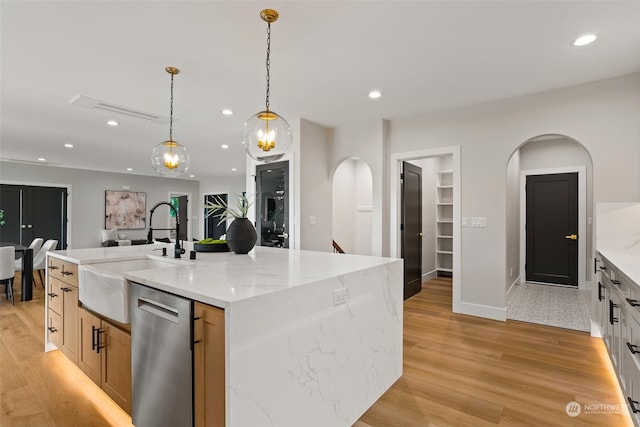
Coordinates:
[87,102]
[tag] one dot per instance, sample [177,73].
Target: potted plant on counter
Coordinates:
[241,234]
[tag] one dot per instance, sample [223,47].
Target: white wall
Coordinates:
[315,187]
[86,201]
[512,270]
[603,116]
[352,197]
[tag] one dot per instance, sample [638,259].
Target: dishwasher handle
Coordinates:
[158,309]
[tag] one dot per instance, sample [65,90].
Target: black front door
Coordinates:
[32,211]
[552,228]
[411,228]
[213,228]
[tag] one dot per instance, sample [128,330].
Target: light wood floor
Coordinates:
[458,371]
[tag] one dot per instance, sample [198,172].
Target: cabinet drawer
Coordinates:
[55,295]
[54,328]
[63,270]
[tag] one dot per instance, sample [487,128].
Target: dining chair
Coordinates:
[40,260]
[35,246]
[7,270]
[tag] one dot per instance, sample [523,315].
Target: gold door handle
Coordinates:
[571,237]
[420,234]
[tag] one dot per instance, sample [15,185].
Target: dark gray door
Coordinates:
[272,204]
[213,228]
[411,228]
[33,211]
[552,228]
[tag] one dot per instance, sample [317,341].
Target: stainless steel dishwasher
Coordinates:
[161,358]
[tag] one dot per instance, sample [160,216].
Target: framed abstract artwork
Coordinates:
[125,210]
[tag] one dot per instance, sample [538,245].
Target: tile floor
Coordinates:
[562,307]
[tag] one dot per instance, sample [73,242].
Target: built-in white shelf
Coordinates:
[444,222]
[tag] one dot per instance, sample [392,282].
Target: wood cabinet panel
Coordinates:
[105,356]
[70,322]
[209,366]
[54,328]
[116,365]
[54,295]
[63,270]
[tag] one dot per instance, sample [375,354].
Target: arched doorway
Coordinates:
[352,207]
[546,157]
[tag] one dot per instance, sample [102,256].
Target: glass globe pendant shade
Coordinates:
[266,136]
[170,159]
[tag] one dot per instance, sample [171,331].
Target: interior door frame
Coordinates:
[189,211]
[69,201]
[582,218]
[395,168]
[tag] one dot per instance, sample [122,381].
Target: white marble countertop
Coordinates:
[625,259]
[220,279]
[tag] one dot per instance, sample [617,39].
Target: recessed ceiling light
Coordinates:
[129,169]
[234,169]
[67,145]
[375,94]
[227,112]
[224,146]
[192,176]
[585,40]
[42,159]
[112,123]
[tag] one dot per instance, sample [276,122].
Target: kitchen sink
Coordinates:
[103,289]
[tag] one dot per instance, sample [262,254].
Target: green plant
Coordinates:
[221,209]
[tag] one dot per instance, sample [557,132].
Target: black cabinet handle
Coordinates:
[99,345]
[615,282]
[632,348]
[633,302]
[67,273]
[632,404]
[52,267]
[600,291]
[52,329]
[612,319]
[66,289]
[52,295]
[93,337]
[602,267]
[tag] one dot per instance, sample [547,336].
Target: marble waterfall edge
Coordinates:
[297,359]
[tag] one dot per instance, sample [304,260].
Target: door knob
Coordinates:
[571,237]
[420,234]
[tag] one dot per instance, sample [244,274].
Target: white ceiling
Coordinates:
[326,56]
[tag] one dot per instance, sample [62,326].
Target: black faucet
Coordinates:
[178,250]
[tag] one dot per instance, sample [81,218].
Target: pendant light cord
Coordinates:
[268,60]
[171,112]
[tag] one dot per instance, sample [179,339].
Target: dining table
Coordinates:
[27,268]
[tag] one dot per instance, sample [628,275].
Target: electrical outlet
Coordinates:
[340,296]
[312,220]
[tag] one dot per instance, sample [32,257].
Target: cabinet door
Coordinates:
[208,356]
[70,322]
[116,365]
[88,356]
[55,295]
[54,328]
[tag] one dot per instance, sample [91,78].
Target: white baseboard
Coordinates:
[515,282]
[430,275]
[486,311]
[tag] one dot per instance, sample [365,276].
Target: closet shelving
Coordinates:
[444,224]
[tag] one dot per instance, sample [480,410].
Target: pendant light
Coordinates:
[170,158]
[267,135]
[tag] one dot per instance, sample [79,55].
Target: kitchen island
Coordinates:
[310,338]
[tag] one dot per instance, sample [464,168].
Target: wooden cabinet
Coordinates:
[62,312]
[104,355]
[209,366]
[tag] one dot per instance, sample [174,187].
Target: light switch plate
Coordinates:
[465,221]
[340,296]
[478,222]
[312,220]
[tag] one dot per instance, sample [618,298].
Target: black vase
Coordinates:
[241,236]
